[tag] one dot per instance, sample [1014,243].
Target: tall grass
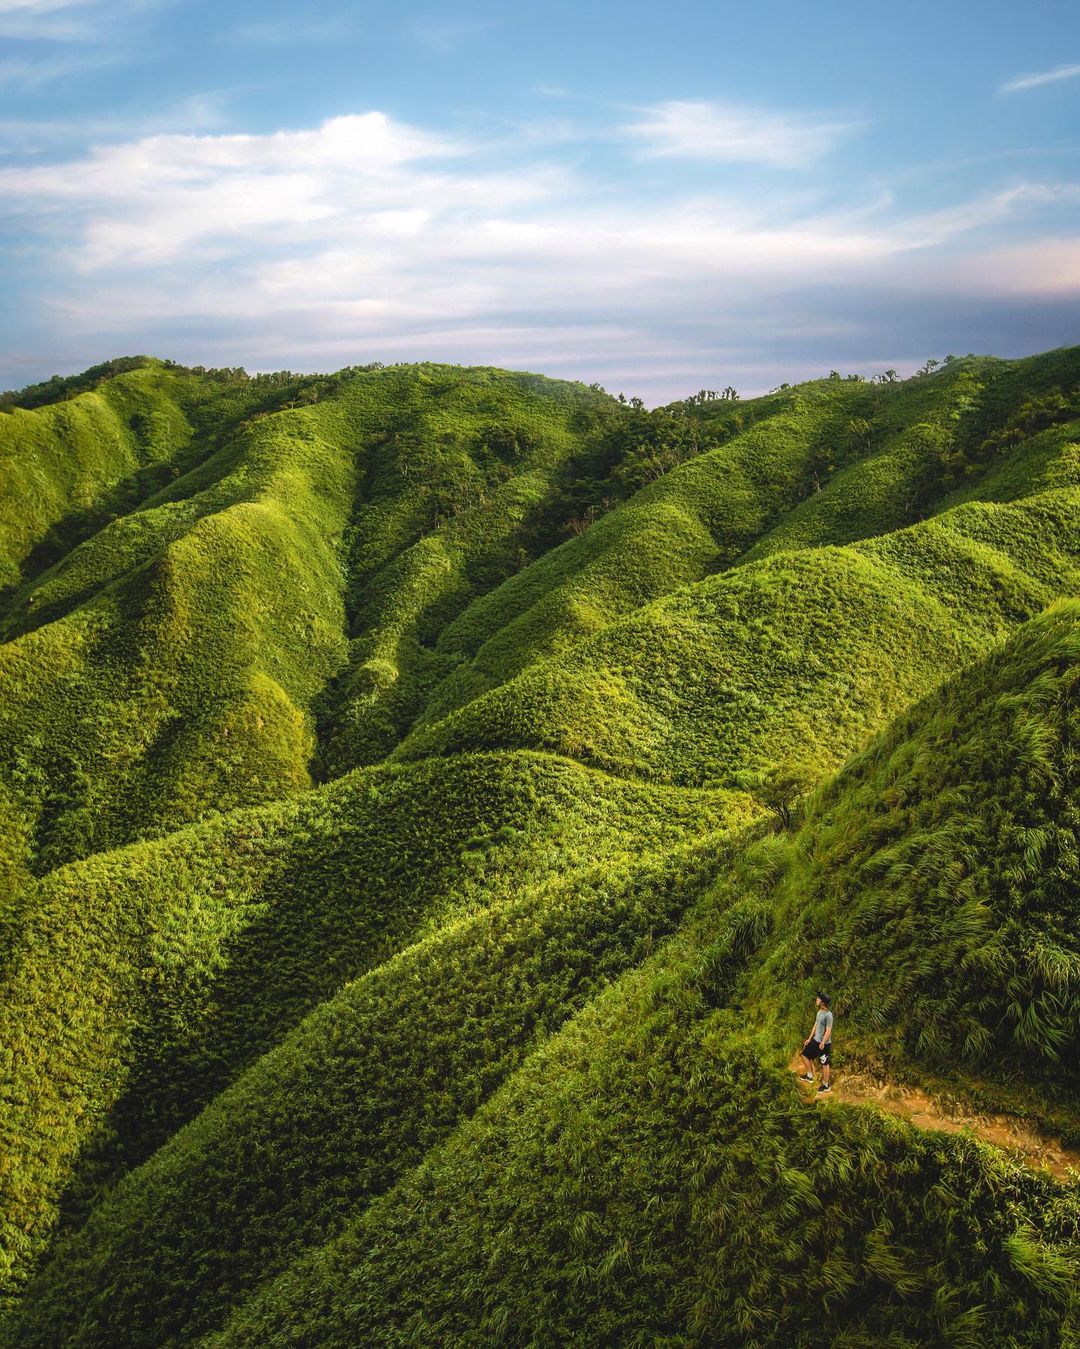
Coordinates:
[430,799]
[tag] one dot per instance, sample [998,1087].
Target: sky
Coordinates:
[656,197]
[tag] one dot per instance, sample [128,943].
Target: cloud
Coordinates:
[293,29]
[39,6]
[66,20]
[30,72]
[170,198]
[1022,82]
[728,133]
[1046,267]
[30,136]
[446,35]
[939,227]
[54,40]
[43,13]
[366,237]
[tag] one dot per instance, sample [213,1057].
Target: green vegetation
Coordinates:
[430,798]
[178,658]
[936,879]
[176,979]
[646,1180]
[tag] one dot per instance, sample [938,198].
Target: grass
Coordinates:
[178,658]
[804,651]
[935,879]
[647,1178]
[177,979]
[412,895]
[379,1074]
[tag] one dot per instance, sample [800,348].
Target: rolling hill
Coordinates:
[431,798]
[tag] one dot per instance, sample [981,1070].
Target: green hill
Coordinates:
[410,903]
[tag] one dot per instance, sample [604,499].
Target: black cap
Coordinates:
[824,998]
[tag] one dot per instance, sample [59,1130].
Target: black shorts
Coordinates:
[820,1052]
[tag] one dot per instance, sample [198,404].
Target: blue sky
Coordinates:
[658,197]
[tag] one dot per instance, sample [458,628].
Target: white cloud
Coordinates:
[1022,82]
[39,6]
[28,10]
[939,227]
[168,198]
[366,237]
[30,136]
[444,35]
[30,72]
[1044,267]
[82,21]
[729,133]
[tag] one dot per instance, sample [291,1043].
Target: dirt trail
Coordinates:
[1011,1135]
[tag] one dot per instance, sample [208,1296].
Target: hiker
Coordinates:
[818,1044]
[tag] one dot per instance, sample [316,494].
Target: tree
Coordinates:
[783,787]
[859,432]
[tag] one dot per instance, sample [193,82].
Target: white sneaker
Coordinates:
[806,1077]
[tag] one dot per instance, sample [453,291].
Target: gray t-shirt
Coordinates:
[822,1023]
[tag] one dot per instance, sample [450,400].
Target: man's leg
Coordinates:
[826,1073]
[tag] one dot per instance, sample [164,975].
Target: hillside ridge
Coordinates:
[430,798]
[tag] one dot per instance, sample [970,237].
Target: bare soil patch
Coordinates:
[1016,1137]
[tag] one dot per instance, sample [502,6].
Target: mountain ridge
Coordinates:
[420,740]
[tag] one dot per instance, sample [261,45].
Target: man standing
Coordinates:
[818,1044]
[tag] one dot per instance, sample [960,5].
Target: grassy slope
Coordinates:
[160,667]
[685,526]
[935,880]
[645,1180]
[787,620]
[463,463]
[803,652]
[795,477]
[354,1097]
[175,963]
[651,1176]
[172,661]
[63,458]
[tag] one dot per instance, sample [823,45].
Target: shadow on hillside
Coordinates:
[315,931]
[418,663]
